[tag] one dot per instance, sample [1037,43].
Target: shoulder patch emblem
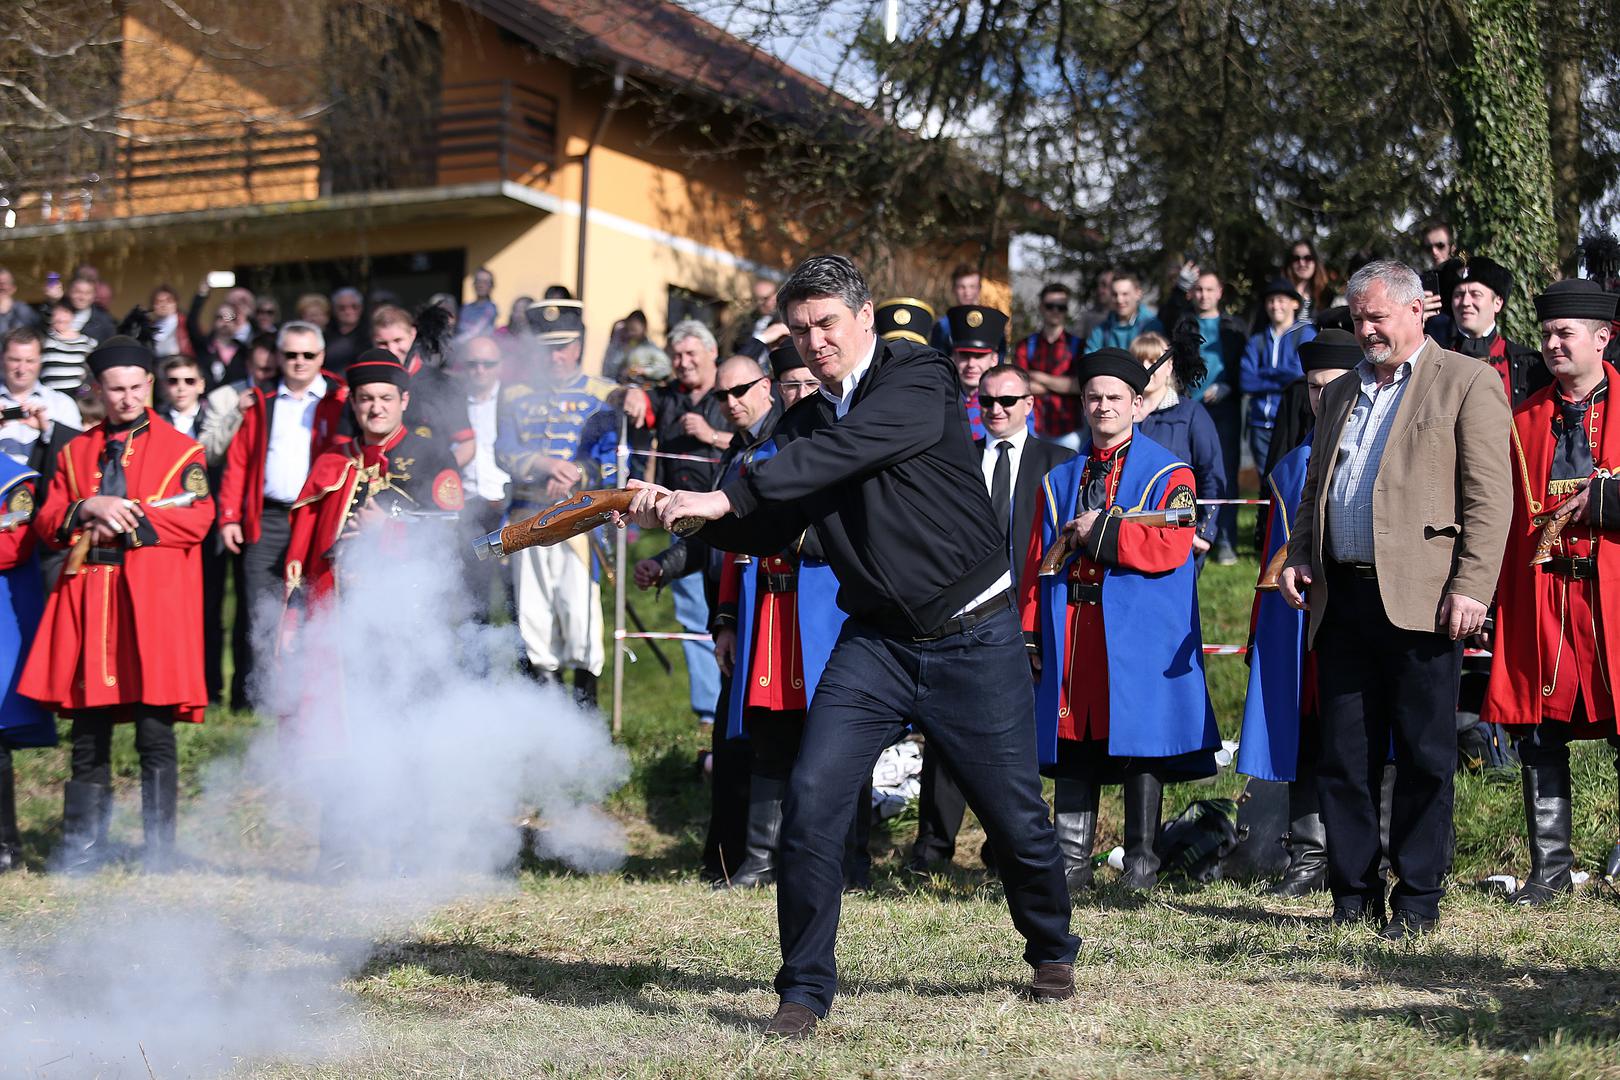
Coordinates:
[21,500]
[1181,497]
[195,480]
[447,493]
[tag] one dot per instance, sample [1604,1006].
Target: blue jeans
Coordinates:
[970,694]
[1259,446]
[1228,417]
[702,675]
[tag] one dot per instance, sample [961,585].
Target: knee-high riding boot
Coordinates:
[764,831]
[1075,819]
[1547,817]
[1144,802]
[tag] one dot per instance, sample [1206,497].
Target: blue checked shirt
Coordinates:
[1361,448]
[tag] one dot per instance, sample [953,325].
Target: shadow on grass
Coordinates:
[640,986]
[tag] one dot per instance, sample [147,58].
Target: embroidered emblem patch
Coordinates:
[21,501]
[195,481]
[1182,497]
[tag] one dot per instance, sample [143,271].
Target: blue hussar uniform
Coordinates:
[539,422]
[1278,694]
[23,721]
[1279,737]
[1122,697]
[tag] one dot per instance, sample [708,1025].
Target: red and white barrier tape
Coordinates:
[1209,650]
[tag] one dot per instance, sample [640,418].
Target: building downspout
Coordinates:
[585,175]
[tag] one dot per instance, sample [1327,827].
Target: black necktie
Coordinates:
[112,469]
[1001,486]
[1477,347]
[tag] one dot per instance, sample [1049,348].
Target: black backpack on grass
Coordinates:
[1192,846]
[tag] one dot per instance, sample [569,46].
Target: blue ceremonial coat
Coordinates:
[1268,747]
[1158,705]
[23,721]
[820,620]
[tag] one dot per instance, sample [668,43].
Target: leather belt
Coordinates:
[1085,592]
[969,619]
[104,556]
[1578,567]
[779,582]
[1358,569]
[277,504]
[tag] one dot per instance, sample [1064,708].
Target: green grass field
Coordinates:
[647,972]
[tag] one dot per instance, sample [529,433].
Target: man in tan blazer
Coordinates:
[1395,551]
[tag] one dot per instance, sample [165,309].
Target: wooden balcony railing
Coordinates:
[494,130]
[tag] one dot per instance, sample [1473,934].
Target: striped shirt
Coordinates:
[63,364]
[1355,473]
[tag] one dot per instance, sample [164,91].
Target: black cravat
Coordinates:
[1001,486]
[1094,496]
[1477,347]
[112,469]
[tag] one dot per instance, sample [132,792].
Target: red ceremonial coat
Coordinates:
[417,470]
[776,661]
[1083,701]
[241,485]
[1554,636]
[121,635]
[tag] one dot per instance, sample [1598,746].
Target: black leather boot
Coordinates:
[10,839]
[160,800]
[86,815]
[1547,816]
[764,831]
[1306,841]
[1144,803]
[585,687]
[1075,819]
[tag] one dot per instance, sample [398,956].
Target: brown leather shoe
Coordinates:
[792,1021]
[1053,982]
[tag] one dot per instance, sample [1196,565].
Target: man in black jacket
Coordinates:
[882,463]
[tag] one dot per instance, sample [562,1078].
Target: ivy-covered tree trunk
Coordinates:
[1501,196]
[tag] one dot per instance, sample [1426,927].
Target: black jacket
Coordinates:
[894,490]
[1527,372]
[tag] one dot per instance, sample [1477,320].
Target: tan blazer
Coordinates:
[1443,498]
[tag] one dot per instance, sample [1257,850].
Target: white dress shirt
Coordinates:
[17,438]
[846,397]
[286,464]
[482,476]
[186,422]
[987,460]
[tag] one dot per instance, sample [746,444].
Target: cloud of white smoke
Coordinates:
[400,778]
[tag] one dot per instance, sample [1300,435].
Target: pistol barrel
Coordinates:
[489,546]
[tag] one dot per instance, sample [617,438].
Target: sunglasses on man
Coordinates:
[301,355]
[483,365]
[727,393]
[1006,401]
[183,380]
[1061,305]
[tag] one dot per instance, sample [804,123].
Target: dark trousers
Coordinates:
[479,518]
[91,756]
[970,694]
[217,565]
[773,741]
[724,846]
[940,809]
[1382,685]
[259,601]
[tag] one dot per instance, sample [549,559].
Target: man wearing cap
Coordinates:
[1279,738]
[387,467]
[121,637]
[880,462]
[1558,610]
[1114,636]
[1271,362]
[283,429]
[976,333]
[1476,289]
[554,433]
[1396,548]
